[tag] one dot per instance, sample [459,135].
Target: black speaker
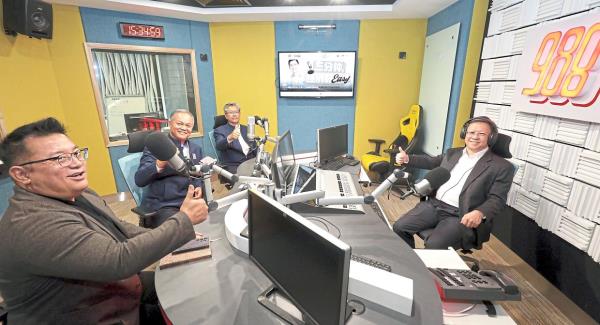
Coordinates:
[28,17]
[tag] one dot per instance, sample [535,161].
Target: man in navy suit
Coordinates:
[166,188]
[231,140]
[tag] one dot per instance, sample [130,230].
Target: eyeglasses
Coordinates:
[232,112]
[478,134]
[64,160]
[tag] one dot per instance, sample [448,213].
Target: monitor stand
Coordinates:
[277,302]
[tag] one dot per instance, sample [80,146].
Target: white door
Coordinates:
[436,82]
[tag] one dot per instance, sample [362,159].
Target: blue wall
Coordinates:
[304,116]
[101,26]
[6,191]
[460,12]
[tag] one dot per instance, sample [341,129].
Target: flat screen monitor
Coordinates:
[316,74]
[283,160]
[304,261]
[304,176]
[332,143]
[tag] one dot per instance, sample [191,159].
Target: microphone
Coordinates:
[250,131]
[206,168]
[339,200]
[164,149]
[385,185]
[432,181]
[228,200]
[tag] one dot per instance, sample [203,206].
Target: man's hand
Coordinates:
[472,219]
[401,157]
[234,134]
[161,164]
[194,206]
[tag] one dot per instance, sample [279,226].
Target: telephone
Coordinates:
[469,285]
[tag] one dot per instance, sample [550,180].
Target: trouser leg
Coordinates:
[421,217]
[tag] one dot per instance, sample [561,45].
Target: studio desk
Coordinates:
[223,289]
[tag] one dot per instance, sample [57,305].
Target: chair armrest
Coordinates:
[378,143]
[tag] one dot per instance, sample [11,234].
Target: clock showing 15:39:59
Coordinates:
[142,31]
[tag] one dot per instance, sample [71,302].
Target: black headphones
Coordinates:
[494,129]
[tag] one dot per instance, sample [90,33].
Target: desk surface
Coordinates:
[224,289]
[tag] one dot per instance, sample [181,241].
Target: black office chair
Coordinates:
[482,233]
[129,165]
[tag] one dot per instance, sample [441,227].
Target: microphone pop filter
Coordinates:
[161,146]
[437,177]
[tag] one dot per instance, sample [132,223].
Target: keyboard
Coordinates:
[371,262]
[473,286]
[336,183]
[334,164]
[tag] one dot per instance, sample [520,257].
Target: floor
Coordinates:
[541,302]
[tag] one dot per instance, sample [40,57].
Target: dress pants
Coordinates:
[432,214]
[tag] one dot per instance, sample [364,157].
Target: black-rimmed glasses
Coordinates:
[64,160]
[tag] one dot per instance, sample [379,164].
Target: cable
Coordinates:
[323,221]
[460,313]
[459,180]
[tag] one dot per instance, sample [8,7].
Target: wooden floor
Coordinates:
[541,302]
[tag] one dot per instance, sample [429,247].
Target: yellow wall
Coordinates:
[244,66]
[470,70]
[41,78]
[386,86]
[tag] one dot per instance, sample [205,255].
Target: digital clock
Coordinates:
[142,31]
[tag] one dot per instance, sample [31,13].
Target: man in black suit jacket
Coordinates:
[231,140]
[462,209]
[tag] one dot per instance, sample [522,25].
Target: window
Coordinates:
[137,88]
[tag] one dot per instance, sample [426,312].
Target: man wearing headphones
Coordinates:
[476,191]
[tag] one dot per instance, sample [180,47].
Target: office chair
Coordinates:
[129,165]
[407,139]
[501,148]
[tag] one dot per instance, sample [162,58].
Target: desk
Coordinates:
[224,289]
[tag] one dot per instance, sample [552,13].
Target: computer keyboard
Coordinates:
[334,164]
[371,262]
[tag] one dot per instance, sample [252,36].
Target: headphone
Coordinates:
[492,137]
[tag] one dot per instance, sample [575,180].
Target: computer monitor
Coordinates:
[332,143]
[308,264]
[303,177]
[283,161]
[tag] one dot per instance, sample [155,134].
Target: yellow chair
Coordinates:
[374,161]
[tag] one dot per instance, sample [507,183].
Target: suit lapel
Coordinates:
[480,166]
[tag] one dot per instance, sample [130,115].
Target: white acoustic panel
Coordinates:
[575,230]
[571,131]
[557,188]
[546,127]
[501,4]
[592,141]
[532,178]
[483,93]
[540,151]
[548,9]
[513,17]
[519,145]
[585,201]
[594,249]
[548,214]
[526,203]
[512,194]
[492,111]
[588,167]
[508,92]
[565,159]
[524,122]
[518,40]
[499,69]
[520,171]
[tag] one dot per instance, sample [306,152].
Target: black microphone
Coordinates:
[432,181]
[164,149]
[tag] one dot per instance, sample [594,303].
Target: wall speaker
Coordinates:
[28,17]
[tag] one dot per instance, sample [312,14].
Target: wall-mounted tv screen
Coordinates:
[316,74]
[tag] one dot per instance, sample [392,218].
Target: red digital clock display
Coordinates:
[142,31]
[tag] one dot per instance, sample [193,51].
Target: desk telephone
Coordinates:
[473,286]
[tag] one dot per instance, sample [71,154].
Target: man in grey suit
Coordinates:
[463,208]
[65,258]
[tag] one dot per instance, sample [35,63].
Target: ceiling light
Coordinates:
[316,27]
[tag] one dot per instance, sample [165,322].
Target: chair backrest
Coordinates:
[502,146]
[129,165]
[219,120]
[410,124]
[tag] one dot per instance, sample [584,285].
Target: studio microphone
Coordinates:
[206,168]
[385,185]
[164,149]
[432,181]
[250,131]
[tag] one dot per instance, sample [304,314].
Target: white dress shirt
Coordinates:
[449,192]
